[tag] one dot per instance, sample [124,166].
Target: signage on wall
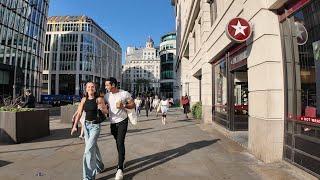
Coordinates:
[315,120]
[239,59]
[238,30]
[302,33]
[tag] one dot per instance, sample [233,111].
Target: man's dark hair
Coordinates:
[113,81]
[28,91]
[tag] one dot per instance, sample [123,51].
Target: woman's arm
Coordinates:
[78,116]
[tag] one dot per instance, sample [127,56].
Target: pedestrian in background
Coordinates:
[147,106]
[151,101]
[138,102]
[186,105]
[30,101]
[164,106]
[155,104]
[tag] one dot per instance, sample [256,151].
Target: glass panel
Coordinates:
[241,93]
[220,71]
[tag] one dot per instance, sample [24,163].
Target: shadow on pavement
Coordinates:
[186,120]
[149,119]
[142,164]
[76,142]
[128,132]
[58,134]
[4,163]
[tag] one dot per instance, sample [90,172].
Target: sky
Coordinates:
[129,22]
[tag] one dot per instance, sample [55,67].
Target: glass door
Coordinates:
[240,99]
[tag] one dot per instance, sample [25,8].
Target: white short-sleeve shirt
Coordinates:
[117,115]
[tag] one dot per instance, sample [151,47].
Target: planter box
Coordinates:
[67,113]
[19,127]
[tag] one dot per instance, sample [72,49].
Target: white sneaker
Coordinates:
[119,175]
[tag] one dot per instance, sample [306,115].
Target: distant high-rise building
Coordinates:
[78,50]
[141,73]
[22,31]
[169,84]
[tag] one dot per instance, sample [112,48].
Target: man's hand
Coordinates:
[120,105]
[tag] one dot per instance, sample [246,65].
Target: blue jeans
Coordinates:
[92,161]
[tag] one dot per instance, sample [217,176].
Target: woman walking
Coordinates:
[92,162]
[186,105]
[138,102]
[155,104]
[164,105]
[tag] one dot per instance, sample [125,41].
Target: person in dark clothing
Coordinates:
[147,106]
[30,101]
[186,105]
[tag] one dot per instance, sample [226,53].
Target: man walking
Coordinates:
[147,106]
[118,101]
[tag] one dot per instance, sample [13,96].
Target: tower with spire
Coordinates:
[149,43]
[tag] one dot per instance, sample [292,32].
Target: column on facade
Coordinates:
[58,65]
[265,77]
[50,65]
[77,88]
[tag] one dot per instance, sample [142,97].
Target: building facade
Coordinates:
[78,50]
[22,32]
[141,72]
[169,86]
[267,85]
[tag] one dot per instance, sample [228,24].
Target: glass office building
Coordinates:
[168,82]
[78,50]
[22,31]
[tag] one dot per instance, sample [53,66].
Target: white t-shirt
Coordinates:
[164,106]
[137,102]
[117,115]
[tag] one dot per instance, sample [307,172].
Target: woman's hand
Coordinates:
[73,130]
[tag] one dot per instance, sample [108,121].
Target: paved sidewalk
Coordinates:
[182,149]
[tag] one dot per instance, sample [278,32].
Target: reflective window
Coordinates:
[220,102]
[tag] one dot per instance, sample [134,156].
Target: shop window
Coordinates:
[220,71]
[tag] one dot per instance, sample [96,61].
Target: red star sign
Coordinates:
[238,29]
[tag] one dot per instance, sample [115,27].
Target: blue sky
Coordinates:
[129,22]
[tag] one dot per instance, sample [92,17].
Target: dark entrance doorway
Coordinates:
[239,90]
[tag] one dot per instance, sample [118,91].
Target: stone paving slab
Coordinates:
[181,149]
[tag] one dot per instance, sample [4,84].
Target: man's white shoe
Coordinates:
[119,175]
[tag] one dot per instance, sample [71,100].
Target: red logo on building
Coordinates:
[239,29]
